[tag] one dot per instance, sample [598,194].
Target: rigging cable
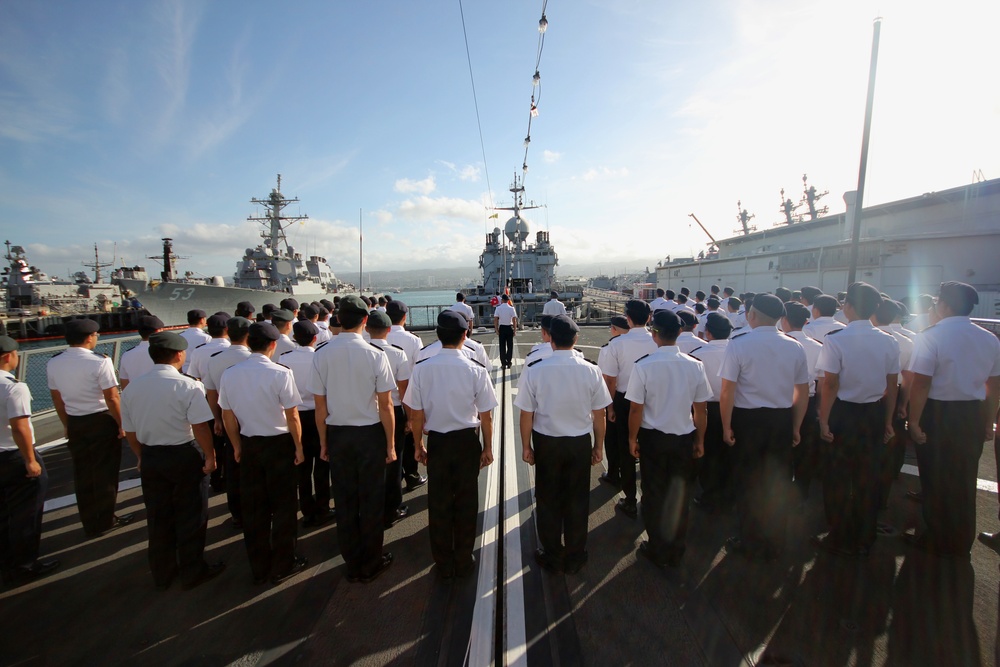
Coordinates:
[475,99]
[536,82]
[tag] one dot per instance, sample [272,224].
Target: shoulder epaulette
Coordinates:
[57,354]
[426,346]
[530,353]
[589,361]
[202,345]
[282,365]
[322,344]
[215,354]
[606,344]
[396,346]
[422,360]
[641,358]
[691,353]
[742,333]
[475,361]
[833,331]
[376,346]
[470,345]
[536,361]
[286,352]
[189,376]
[98,354]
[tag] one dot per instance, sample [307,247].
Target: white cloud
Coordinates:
[550,156]
[425,208]
[469,173]
[596,173]
[408,185]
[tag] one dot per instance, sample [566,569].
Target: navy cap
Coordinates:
[666,322]
[323,311]
[450,319]
[960,297]
[7,344]
[545,321]
[328,304]
[289,304]
[282,315]
[238,327]
[353,305]
[168,340]
[887,311]
[379,320]
[563,326]
[245,307]
[718,325]
[268,308]
[224,314]
[82,327]
[768,305]
[149,323]
[310,311]
[217,321]
[713,301]
[304,329]
[264,331]
[396,308]
[620,322]
[196,314]
[864,298]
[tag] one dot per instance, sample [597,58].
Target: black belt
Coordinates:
[456,433]
[88,416]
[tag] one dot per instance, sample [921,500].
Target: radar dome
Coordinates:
[516,229]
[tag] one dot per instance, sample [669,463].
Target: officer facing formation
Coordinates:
[562,400]
[167,421]
[451,398]
[23,478]
[505,325]
[85,394]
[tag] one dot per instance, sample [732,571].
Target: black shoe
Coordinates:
[118,522]
[915,496]
[298,564]
[548,564]
[237,524]
[467,570]
[36,570]
[991,540]
[208,572]
[415,482]
[831,546]
[646,551]
[608,479]
[397,516]
[383,565]
[627,507]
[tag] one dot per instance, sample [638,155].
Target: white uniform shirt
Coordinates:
[738,320]
[399,364]
[452,390]
[812,349]
[896,327]
[284,344]
[465,309]
[659,303]
[161,406]
[622,353]
[300,360]
[841,317]
[818,329]
[554,307]
[471,351]
[195,337]
[544,350]
[862,356]
[136,362]
[687,341]
[959,356]
[562,391]
[81,376]
[258,391]
[666,383]
[766,365]
[410,343]
[15,401]
[350,371]
[200,355]
[481,355]
[220,361]
[323,335]
[711,354]
[506,313]
[905,349]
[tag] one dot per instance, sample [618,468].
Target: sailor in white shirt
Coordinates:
[895,449]
[543,350]
[663,388]
[323,324]
[554,306]
[619,326]
[715,471]
[198,356]
[451,399]
[411,344]
[470,348]
[765,392]
[953,400]
[860,365]
[353,381]
[687,341]
[259,403]
[288,303]
[659,302]
[310,313]
[736,313]
[314,472]
[727,294]
[282,320]
[195,334]
[823,310]
[136,362]
[462,307]
[616,366]
[711,306]
[378,328]
[562,401]
[505,325]
[23,478]
[85,394]
[807,457]
[924,317]
[164,414]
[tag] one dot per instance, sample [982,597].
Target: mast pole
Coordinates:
[862,171]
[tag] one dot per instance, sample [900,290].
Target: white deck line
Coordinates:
[515,641]
[66,501]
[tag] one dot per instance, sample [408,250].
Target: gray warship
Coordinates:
[266,274]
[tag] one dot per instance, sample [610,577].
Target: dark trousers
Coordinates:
[611,452]
[453,495]
[626,462]
[807,457]
[234,498]
[314,472]
[394,470]
[21,502]
[506,335]
[175,492]
[267,490]
[562,495]
[93,444]
[851,483]
[668,471]
[949,468]
[763,475]
[357,467]
[715,467]
[411,468]
[893,456]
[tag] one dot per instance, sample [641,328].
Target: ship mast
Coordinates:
[168,274]
[96,265]
[273,222]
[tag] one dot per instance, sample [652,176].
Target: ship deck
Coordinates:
[900,607]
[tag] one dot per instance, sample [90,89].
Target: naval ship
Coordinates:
[267,273]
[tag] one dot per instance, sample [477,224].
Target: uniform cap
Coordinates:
[666,322]
[718,325]
[289,304]
[168,340]
[282,315]
[238,327]
[268,308]
[196,314]
[713,302]
[245,307]
[7,344]
[82,327]
[810,292]
[545,321]
[310,311]
[224,314]
[887,311]
[563,327]
[396,308]
[304,329]
[149,323]
[619,321]
[217,322]
[353,305]
[323,311]
[864,297]
[264,331]
[903,310]
[379,320]
[328,304]
[960,297]
[450,319]
[768,305]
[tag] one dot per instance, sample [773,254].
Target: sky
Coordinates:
[123,122]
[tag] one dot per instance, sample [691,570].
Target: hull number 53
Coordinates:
[181,293]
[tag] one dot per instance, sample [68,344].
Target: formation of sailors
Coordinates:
[749,398]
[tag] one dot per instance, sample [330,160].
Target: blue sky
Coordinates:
[121,122]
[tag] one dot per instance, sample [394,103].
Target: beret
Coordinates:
[666,321]
[224,314]
[810,291]
[353,305]
[245,307]
[960,297]
[7,344]
[396,308]
[562,325]
[379,320]
[82,326]
[545,321]
[218,321]
[289,304]
[304,328]
[309,311]
[196,313]
[768,305]
[150,323]
[619,321]
[450,319]
[264,330]
[268,308]
[718,325]
[282,315]
[168,340]
[323,311]
[238,327]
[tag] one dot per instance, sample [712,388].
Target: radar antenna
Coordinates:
[273,222]
[810,197]
[788,208]
[168,257]
[96,265]
[744,219]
